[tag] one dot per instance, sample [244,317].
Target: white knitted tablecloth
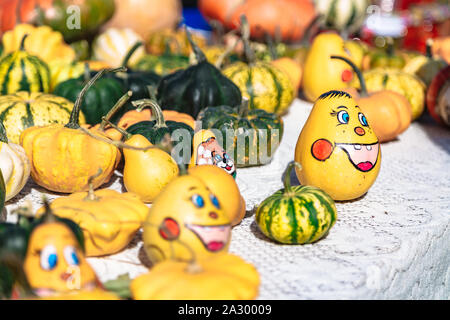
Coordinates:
[394,243]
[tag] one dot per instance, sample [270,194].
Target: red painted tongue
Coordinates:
[215,246]
[365,166]
[228,168]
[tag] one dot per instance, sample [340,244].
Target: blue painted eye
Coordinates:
[49,258]
[343,117]
[362,119]
[70,254]
[198,201]
[215,201]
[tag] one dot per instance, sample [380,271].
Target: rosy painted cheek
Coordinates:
[347,75]
[322,149]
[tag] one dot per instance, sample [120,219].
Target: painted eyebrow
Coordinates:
[357,107]
[340,107]
[192,188]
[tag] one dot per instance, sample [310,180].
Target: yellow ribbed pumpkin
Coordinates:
[22,110]
[42,42]
[109,219]
[221,277]
[62,71]
[64,157]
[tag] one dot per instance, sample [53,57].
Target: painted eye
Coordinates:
[49,258]
[198,201]
[71,256]
[362,119]
[215,201]
[343,117]
[226,156]
[218,158]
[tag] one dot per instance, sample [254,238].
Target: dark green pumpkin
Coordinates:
[99,99]
[197,87]
[155,130]
[260,130]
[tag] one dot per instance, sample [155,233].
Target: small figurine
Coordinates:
[207,150]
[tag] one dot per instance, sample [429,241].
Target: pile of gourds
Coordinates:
[169,113]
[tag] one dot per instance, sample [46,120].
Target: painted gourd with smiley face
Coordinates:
[186,221]
[55,261]
[337,149]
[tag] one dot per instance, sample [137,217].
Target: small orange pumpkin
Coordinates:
[292,69]
[389,113]
[134,116]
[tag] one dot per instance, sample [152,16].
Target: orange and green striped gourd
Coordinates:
[296,214]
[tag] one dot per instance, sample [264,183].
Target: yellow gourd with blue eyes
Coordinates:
[186,221]
[337,149]
[55,261]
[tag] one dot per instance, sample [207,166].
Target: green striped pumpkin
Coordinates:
[296,215]
[20,71]
[342,15]
[266,87]
[22,110]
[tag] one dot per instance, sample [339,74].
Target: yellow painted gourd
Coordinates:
[322,74]
[146,173]
[14,165]
[337,149]
[55,262]
[226,189]
[222,277]
[109,219]
[186,221]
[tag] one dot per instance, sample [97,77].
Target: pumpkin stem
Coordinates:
[117,144]
[243,108]
[87,72]
[49,216]
[390,46]
[307,35]
[249,54]
[156,111]
[124,132]
[91,193]
[74,121]
[272,51]
[130,53]
[429,52]
[358,72]
[199,55]
[218,31]
[287,175]
[3,135]
[119,104]
[22,42]
[228,51]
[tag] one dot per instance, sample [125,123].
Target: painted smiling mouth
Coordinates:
[364,157]
[214,238]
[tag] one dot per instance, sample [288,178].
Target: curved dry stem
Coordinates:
[117,144]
